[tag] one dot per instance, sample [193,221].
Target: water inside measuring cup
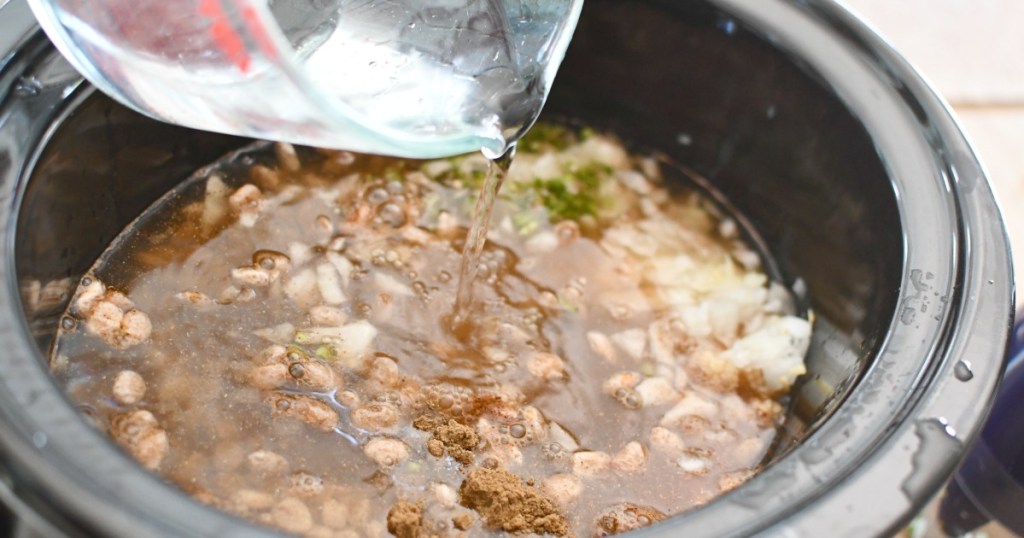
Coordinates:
[461,70]
[396,77]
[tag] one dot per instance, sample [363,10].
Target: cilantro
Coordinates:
[574,195]
[546,136]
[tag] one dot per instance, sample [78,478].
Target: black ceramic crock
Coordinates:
[851,168]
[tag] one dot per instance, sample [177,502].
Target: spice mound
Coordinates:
[277,338]
[509,504]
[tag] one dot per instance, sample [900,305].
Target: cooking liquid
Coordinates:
[393,225]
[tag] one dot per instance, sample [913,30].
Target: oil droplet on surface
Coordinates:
[962,370]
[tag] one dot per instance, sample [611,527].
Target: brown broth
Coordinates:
[393,237]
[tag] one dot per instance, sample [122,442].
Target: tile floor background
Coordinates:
[973,52]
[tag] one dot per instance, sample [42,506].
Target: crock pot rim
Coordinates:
[984,293]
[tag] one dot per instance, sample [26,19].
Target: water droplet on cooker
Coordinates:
[938,444]
[392,215]
[67,323]
[282,404]
[86,281]
[296,370]
[419,287]
[395,187]
[444,277]
[963,371]
[518,431]
[27,87]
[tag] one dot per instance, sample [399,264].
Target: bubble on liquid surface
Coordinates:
[378,196]
[392,214]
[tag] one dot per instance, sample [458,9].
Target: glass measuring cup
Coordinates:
[414,78]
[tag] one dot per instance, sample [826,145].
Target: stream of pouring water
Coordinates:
[477,236]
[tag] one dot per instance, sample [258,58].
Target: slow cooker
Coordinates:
[852,170]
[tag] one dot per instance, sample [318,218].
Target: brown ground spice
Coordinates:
[463,521]
[505,502]
[456,439]
[405,519]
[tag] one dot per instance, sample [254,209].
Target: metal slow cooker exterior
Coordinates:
[878,458]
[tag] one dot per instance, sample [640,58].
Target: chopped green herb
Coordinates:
[525,223]
[547,136]
[327,352]
[566,201]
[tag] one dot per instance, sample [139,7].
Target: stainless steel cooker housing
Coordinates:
[904,258]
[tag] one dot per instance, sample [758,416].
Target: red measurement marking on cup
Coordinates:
[258,31]
[224,36]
